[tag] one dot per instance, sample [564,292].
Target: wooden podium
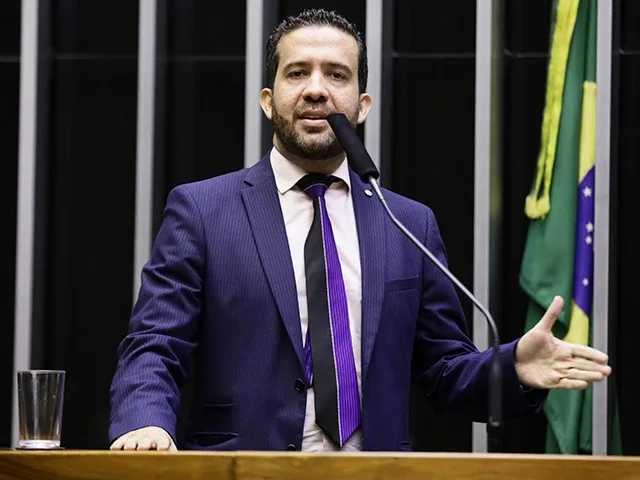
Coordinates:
[107,465]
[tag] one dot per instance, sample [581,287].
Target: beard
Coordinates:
[310,146]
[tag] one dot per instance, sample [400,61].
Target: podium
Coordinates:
[103,465]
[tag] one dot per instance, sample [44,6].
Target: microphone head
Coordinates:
[357,156]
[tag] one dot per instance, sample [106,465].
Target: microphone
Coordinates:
[361,163]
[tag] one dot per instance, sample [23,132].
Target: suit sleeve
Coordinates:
[153,356]
[446,365]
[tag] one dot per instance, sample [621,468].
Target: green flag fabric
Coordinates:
[558,256]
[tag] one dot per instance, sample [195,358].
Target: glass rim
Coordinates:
[40,371]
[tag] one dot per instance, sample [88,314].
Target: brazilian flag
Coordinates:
[558,256]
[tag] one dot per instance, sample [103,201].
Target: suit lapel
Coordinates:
[265,216]
[370,223]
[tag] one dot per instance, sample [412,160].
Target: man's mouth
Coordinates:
[313,118]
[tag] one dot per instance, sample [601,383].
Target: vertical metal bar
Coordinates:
[487,176]
[26,197]
[600,433]
[145,138]
[481,188]
[374,16]
[253,82]
[385,101]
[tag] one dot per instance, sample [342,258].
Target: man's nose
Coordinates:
[316,89]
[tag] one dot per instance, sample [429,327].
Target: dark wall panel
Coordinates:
[10,29]
[628,256]
[91,190]
[98,27]
[205,28]
[433,164]
[625,256]
[205,121]
[435,27]
[353,10]
[201,114]
[628,18]
[527,35]
[430,153]
[9,89]
[527,26]
[9,123]
[433,157]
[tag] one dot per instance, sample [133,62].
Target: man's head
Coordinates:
[316,18]
[316,65]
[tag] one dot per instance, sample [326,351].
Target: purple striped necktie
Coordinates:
[331,366]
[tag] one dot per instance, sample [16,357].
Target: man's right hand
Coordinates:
[147,438]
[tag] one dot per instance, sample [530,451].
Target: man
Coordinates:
[308,313]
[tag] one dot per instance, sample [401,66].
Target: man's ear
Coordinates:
[364,107]
[266,102]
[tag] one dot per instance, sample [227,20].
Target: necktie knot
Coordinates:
[315,184]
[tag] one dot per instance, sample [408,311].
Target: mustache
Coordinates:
[312,110]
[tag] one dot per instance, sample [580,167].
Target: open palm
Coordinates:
[544,361]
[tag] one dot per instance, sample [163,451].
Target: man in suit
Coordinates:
[307,312]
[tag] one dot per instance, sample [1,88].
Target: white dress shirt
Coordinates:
[297,209]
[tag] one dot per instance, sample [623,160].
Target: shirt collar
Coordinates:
[287,174]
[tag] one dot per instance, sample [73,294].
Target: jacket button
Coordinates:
[291,447]
[299,385]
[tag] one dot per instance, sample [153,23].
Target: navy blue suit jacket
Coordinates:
[220,285]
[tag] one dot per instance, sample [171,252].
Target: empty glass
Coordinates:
[40,402]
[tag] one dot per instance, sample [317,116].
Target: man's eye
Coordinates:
[337,75]
[296,74]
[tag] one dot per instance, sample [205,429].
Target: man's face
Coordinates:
[317,75]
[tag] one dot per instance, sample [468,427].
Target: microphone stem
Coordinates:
[494,424]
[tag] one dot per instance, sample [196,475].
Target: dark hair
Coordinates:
[310,18]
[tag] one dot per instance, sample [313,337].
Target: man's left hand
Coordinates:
[545,362]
